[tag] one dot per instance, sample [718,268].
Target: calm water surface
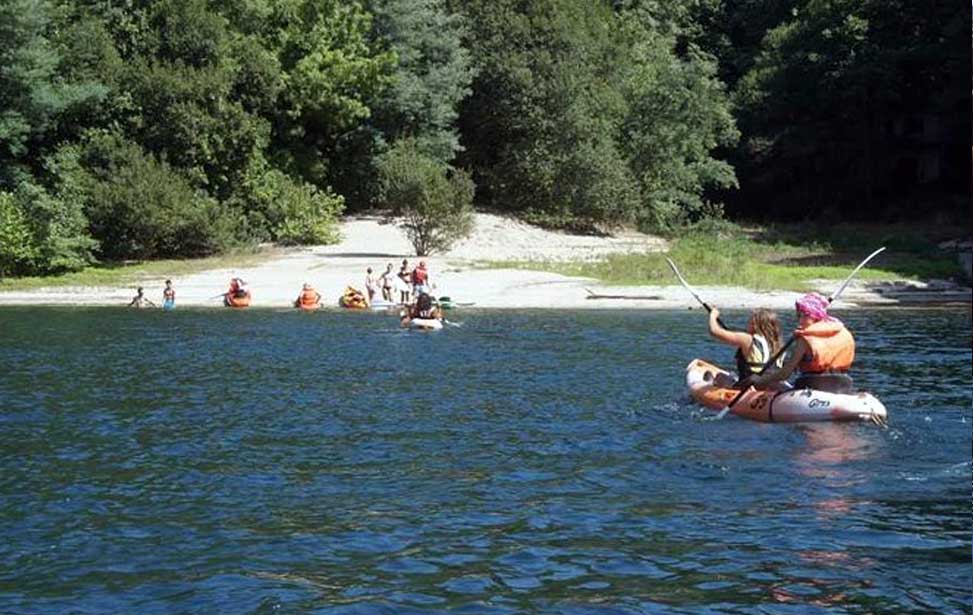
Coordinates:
[545,462]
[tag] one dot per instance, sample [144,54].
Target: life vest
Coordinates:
[309,298]
[831,348]
[419,276]
[757,356]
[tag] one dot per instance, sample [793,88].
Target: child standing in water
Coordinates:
[168,296]
[140,300]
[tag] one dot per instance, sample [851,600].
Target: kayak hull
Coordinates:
[236,302]
[426,324]
[781,406]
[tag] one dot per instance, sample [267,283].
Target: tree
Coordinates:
[678,114]
[432,202]
[17,248]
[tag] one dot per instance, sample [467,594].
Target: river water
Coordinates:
[524,462]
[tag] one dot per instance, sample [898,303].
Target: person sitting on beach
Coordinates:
[140,300]
[755,346]
[309,298]
[386,280]
[824,350]
[370,284]
[168,296]
[420,279]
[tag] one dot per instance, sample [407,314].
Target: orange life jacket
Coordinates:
[831,347]
[309,297]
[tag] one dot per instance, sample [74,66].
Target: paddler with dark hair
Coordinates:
[755,346]
[824,350]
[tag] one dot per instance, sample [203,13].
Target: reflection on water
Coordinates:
[263,462]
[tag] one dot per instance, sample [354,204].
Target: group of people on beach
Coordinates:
[409,288]
[407,284]
[823,352]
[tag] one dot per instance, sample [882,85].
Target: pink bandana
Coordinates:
[815,306]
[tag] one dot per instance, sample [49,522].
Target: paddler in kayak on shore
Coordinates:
[754,347]
[824,350]
[238,295]
[309,299]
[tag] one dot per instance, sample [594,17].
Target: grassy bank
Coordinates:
[768,258]
[121,274]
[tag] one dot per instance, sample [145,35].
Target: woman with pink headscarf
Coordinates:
[823,351]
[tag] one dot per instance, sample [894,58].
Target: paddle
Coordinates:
[692,292]
[783,349]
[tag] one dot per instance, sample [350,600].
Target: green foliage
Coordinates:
[587,117]
[678,115]
[432,75]
[845,101]
[433,203]
[721,254]
[17,248]
[290,212]
[143,208]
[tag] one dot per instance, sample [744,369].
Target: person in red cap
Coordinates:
[824,350]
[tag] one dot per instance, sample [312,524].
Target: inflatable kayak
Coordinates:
[426,324]
[782,406]
[229,300]
[353,299]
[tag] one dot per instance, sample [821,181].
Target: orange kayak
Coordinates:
[780,406]
[236,302]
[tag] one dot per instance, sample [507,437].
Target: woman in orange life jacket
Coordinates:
[823,351]
[755,346]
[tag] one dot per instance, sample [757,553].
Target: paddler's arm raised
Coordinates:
[740,339]
[783,372]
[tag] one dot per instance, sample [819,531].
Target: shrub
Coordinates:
[143,208]
[17,248]
[433,203]
[284,210]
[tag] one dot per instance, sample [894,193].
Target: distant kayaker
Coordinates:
[824,350]
[424,308]
[309,299]
[754,346]
[238,288]
[168,296]
[140,300]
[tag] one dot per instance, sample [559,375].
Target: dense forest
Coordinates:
[137,129]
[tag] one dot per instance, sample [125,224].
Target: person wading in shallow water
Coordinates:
[824,350]
[168,296]
[140,300]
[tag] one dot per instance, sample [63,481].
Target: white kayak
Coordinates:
[426,324]
[783,406]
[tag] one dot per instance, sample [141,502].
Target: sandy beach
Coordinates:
[459,274]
